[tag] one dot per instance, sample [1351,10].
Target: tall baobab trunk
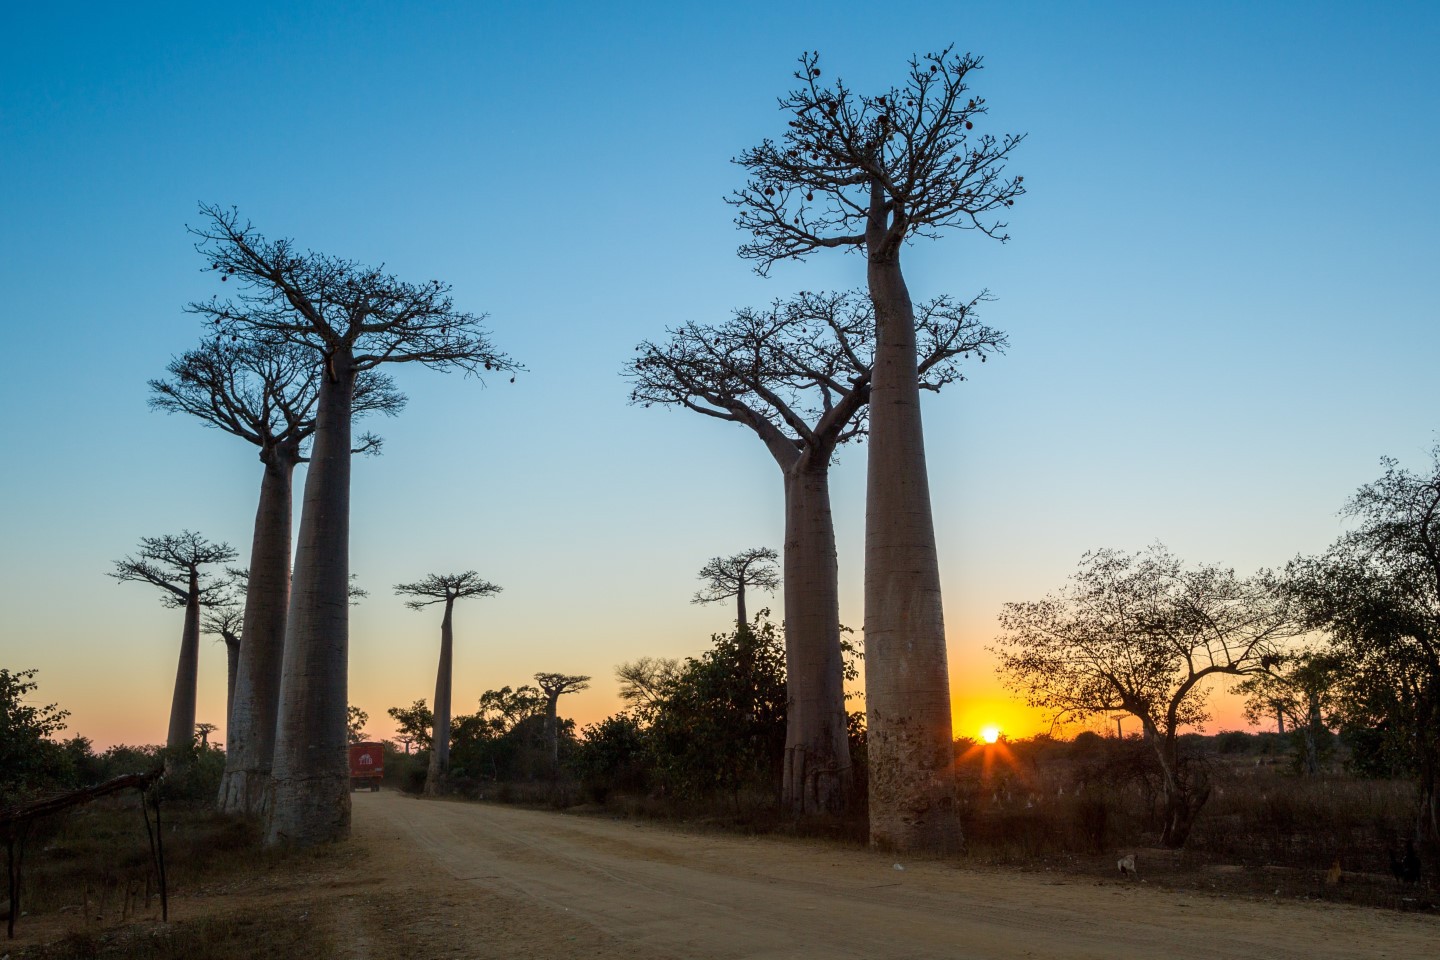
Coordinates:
[250,733]
[440,732]
[907,683]
[232,666]
[187,674]
[742,620]
[552,729]
[817,776]
[311,800]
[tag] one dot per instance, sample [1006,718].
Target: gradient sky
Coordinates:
[1221,295]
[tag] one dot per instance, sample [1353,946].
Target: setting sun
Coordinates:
[990,733]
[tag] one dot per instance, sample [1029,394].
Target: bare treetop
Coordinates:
[726,577]
[224,621]
[445,588]
[557,684]
[799,371]
[263,392]
[329,304]
[171,561]
[902,162]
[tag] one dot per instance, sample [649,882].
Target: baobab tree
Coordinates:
[264,393]
[798,375]
[203,731]
[727,577]
[446,589]
[226,621]
[555,686]
[173,563]
[869,173]
[355,318]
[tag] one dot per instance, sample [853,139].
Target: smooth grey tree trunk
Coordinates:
[742,621]
[311,799]
[440,732]
[187,675]
[255,704]
[907,682]
[232,665]
[817,773]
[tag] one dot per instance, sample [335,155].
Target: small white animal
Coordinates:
[1127,865]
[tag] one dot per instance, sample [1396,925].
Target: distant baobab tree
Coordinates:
[226,620]
[554,686]
[798,375]
[869,173]
[203,731]
[173,563]
[446,589]
[355,318]
[727,577]
[264,393]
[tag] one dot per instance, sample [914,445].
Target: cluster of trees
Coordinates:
[287,363]
[1348,639]
[295,355]
[867,173]
[515,734]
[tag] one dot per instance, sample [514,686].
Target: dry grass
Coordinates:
[87,876]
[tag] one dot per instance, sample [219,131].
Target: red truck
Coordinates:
[367,765]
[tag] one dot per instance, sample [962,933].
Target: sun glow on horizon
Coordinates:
[990,733]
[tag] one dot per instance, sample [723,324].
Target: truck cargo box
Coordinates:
[367,765]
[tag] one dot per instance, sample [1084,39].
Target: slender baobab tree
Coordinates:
[727,577]
[354,318]
[798,375]
[173,563]
[555,686]
[203,731]
[446,589]
[226,621]
[868,173]
[264,393]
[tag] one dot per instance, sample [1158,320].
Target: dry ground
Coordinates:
[427,879]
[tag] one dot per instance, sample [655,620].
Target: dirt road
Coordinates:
[519,883]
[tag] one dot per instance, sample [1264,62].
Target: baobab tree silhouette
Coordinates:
[173,563]
[798,375]
[264,393]
[446,589]
[869,173]
[354,318]
[554,686]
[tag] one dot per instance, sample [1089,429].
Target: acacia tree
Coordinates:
[354,318]
[554,686]
[173,563]
[1376,593]
[414,723]
[799,375]
[868,173]
[355,720]
[727,577]
[446,589]
[1143,634]
[265,393]
[1298,691]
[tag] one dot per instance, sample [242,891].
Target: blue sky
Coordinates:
[1220,292]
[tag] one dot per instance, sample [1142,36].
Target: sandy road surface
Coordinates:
[521,883]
